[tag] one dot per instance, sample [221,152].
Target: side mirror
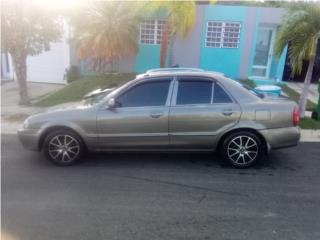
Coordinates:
[112,103]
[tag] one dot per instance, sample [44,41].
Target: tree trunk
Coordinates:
[171,56]
[304,95]
[20,66]
[164,44]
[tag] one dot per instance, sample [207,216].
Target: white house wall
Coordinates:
[7,72]
[50,66]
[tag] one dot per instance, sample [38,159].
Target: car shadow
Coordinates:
[212,161]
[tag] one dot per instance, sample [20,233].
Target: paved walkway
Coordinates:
[12,114]
[10,96]
[313,90]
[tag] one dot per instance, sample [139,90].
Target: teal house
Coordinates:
[235,40]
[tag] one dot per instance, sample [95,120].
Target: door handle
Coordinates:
[156,114]
[227,112]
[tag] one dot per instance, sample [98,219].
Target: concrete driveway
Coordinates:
[160,196]
[11,112]
[10,94]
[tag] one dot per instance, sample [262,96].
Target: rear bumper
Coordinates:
[281,137]
[29,138]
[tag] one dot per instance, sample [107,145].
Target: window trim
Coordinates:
[149,80]
[221,42]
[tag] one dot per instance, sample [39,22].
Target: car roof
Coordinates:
[165,72]
[175,70]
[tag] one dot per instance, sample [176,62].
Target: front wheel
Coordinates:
[242,149]
[63,147]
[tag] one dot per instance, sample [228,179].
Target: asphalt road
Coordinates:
[160,196]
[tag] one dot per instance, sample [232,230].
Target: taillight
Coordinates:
[295,116]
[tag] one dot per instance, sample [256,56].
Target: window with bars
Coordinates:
[151,31]
[223,34]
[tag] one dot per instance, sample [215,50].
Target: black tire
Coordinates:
[242,149]
[63,147]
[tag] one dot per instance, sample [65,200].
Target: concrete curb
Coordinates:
[310,135]
[307,135]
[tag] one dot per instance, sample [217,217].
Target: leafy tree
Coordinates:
[106,31]
[180,20]
[27,29]
[301,28]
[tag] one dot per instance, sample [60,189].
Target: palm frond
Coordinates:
[106,31]
[301,31]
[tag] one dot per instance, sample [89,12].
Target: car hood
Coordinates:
[62,113]
[68,106]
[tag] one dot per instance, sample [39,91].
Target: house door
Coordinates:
[263,53]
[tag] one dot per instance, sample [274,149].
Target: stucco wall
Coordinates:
[225,60]
[192,52]
[186,51]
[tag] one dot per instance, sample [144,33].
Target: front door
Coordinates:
[201,109]
[263,53]
[140,119]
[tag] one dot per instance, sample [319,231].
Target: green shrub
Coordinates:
[72,74]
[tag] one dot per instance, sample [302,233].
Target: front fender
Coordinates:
[90,139]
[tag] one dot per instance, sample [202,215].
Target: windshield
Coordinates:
[98,97]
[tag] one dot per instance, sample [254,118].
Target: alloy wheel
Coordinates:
[242,150]
[64,148]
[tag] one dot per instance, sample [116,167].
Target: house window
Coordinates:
[151,31]
[223,34]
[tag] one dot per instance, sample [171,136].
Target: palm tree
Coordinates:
[180,18]
[106,31]
[301,32]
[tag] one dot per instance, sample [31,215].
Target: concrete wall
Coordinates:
[51,66]
[225,60]
[7,71]
[249,33]
[186,51]
[192,52]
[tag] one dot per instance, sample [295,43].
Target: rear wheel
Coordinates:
[63,147]
[242,149]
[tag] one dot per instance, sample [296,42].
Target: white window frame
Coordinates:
[223,33]
[155,34]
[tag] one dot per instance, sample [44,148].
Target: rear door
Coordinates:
[201,108]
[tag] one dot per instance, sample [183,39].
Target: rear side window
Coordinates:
[145,94]
[220,96]
[194,92]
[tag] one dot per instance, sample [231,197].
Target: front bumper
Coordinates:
[30,138]
[281,137]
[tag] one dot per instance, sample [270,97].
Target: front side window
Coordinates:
[194,92]
[153,93]
[151,31]
[223,34]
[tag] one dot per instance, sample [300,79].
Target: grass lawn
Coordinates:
[309,123]
[77,89]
